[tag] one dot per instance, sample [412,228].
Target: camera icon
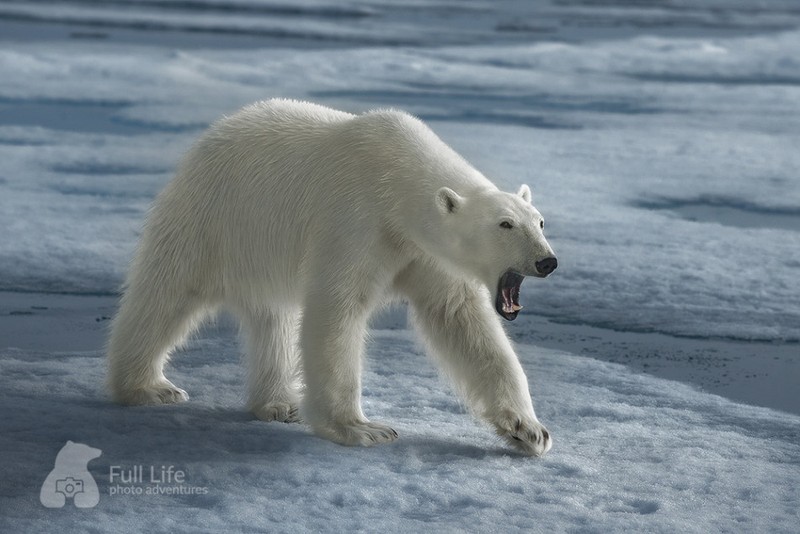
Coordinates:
[69,486]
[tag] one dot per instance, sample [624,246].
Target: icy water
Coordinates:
[729,213]
[247,25]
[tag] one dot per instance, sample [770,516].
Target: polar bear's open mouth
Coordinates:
[507,301]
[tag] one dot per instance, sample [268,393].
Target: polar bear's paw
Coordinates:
[365,434]
[525,434]
[160,393]
[284,412]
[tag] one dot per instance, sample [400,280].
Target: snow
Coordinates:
[660,143]
[632,452]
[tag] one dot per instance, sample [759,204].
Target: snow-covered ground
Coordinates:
[632,452]
[661,144]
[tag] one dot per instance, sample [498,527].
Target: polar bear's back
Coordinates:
[300,150]
[297,162]
[282,165]
[259,194]
[270,149]
[279,118]
[265,190]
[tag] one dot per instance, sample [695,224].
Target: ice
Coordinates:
[617,138]
[631,452]
[660,141]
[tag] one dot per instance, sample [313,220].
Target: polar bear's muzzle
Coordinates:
[507,300]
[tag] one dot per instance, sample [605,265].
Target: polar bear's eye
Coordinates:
[541,224]
[506,224]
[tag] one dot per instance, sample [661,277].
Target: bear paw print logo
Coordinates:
[70,478]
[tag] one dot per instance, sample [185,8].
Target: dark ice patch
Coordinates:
[727,211]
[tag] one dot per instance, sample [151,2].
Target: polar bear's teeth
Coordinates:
[507,300]
[516,307]
[508,308]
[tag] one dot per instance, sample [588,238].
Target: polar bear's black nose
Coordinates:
[546,266]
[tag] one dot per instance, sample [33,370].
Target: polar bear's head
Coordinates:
[497,237]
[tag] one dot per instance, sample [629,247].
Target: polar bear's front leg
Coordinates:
[464,332]
[332,344]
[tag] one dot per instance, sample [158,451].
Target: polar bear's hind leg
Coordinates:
[147,327]
[272,378]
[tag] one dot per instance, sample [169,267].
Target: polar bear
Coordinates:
[71,478]
[302,220]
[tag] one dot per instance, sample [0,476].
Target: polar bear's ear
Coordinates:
[525,193]
[447,200]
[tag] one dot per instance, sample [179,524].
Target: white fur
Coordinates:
[302,220]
